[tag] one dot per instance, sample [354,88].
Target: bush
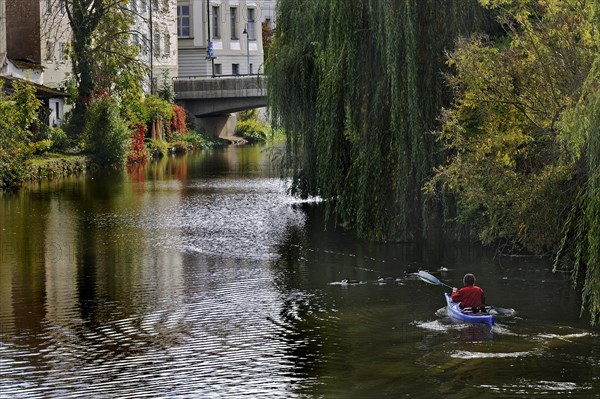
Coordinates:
[138,151]
[18,112]
[60,140]
[179,147]
[106,135]
[252,131]
[198,140]
[179,119]
[250,128]
[12,167]
[157,148]
[39,147]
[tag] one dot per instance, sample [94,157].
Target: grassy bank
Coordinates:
[55,165]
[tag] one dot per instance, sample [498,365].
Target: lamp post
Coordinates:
[209,47]
[152,88]
[247,47]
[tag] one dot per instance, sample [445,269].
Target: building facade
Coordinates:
[269,13]
[2,30]
[155,32]
[221,37]
[24,53]
[38,31]
[55,36]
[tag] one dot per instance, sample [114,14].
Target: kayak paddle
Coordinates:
[428,278]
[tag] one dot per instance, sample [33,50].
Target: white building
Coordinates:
[2,30]
[55,36]
[269,13]
[155,31]
[233,29]
[22,43]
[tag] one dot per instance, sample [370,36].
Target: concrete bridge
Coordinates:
[209,96]
[213,100]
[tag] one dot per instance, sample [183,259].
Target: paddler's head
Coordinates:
[469,279]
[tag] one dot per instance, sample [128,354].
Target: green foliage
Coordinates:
[54,165]
[157,148]
[117,66]
[158,108]
[511,176]
[166,90]
[580,246]
[60,140]
[523,135]
[250,127]
[102,55]
[198,140]
[356,86]
[134,109]
[40,147]
[106,134]
[18,112]
[179,147]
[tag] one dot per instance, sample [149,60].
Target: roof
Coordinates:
[41,91]
[27,63]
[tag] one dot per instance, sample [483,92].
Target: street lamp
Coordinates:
[209,50]
[247,46]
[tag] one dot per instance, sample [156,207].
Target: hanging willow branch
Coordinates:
[356,86]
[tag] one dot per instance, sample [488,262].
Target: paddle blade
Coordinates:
[428,278]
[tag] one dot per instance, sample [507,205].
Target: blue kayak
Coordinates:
[456,312]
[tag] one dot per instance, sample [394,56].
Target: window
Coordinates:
[145,44]
[49,50]
[251,32]
[235,69]
[233,15]
[156,45]
[218,69]
[167,45]
[143,6]
[215,21]
[48,6]
[155,5]
[63,50]
[183,21]
[134,5]
[61,6]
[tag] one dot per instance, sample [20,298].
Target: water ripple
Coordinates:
[235,340]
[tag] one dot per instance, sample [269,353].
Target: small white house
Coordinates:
[53,101]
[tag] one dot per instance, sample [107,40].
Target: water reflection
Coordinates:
[198,276]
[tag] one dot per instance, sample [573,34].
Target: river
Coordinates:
[199,277]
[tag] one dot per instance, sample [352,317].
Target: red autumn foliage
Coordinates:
[179,117]
[137,153]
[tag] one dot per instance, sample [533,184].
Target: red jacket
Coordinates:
[469,296]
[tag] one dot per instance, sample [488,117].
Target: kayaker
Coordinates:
[469,296]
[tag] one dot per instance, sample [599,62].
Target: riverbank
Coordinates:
[54,165]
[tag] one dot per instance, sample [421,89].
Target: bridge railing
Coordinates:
[236,75]
[222,87]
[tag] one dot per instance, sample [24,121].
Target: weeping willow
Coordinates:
[580,246]
[356,86]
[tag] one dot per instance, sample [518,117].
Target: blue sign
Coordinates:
[211,53]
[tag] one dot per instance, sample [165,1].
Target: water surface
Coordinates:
[198,276]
